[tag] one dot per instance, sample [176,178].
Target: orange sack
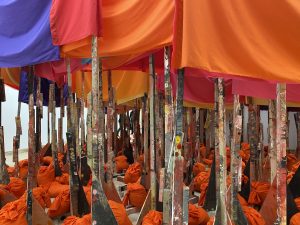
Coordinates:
[63,179]
[16,186]
[258,193]
[121,163]
[14,213]
[295,220]
[55,188]
[211,221]
[41,196]
[207,161]
[135,195]
[119,213]
[197,216]
[203,152]
[153,218]
[133,173]
[61,205]
[242,201]
[47,160]
[253,217]
[11,171]
[198,168]
[46,175]
[202,177]
[23,168]
[297,201]
[88,194]
[73,220]
[203,190]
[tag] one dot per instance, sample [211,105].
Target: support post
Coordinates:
[272,139]
[177,181]
[169,118]
[281,127]
[16,140]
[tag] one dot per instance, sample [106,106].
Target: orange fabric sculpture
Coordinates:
[11,171]
[253,217]
[119,213]
[46,175]
[73,220]
[23,168]
[258,192]
[121,163]
[197,168]
[16,186]
[14,213]
[47,160]
[41,196]
[61,205]
[203,190]
[207,161]
[88,194]
[153,218]
[135,195]
[133,173]
[56,188]
[295,220]
[63,179]
[197,216]
[201,178]
[203,152]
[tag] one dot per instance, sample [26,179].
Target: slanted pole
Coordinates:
[101,212]
[272,139]
[169,118]
[177,158]
[153,182]
[221,214]
[281,127]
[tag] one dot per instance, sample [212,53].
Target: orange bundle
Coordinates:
[61,205]
[245,179]
[41,196]
[23,168]
[197,168]
[245,155]
[245,146]
[253,217]
[207,161]
[135,195]
[153,218]
[203,190]
[119,213]
[258,192]
[242,201]
[16,186]
[197,216]
[295,220]
[46,175]
[14,213]
[291,160]
[73,220]
[133,173]
[211,221]
[121,163]
[55,188]
[297,201]
[63,179]
[47,160]
[201,178]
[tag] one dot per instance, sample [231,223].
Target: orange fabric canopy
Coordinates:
[11,76]
[257,39]
[130,28]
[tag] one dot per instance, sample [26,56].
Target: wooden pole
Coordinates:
[110,125]
[272,139]
[281,127]
[153,182]
[169,118]
[221,214]
[60,121]
[198,133]
[39,116]
[201,124]
[82,121]
[16,140]
[101,211]
[146,138]
[177,181]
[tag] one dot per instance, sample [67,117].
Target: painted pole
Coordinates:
[272,139]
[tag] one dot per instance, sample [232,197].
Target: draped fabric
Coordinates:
[25,37]
[256,39]
[11,76]
[130,28]
[264,89]
[23,90]
[74,20]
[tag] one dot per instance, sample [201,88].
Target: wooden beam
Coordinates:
[169,118]
[281,127]
[272,139]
